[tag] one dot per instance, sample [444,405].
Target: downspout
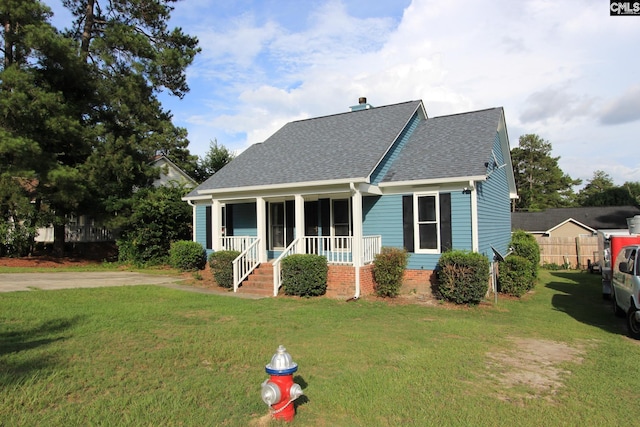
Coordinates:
[357,236]
[193,219]
[474,216]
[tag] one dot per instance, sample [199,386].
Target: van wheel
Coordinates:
[616,308]
[633,323]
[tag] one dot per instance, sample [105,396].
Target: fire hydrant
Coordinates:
[279,391]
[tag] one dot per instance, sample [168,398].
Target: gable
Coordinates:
[594,217]
[343,147]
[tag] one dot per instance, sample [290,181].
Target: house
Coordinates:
[345,185]
[568,236]
[83,228]
[573,222]
[170,173]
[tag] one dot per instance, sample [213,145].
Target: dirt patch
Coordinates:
[532,368]
[44,262]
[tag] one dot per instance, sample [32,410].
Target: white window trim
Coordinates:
[416,223]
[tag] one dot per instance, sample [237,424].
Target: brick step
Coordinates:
[260,281]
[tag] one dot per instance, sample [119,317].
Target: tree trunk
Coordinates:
[8,48]
[58,239]
[89,20]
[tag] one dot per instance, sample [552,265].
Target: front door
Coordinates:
[281,224]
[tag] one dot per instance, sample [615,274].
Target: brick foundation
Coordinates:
[341,281]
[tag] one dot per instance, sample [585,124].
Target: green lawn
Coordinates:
[159,357]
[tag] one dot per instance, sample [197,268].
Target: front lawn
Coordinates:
[161,357]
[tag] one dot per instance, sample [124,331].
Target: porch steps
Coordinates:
[260,282]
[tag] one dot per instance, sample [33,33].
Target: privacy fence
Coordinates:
[570,252]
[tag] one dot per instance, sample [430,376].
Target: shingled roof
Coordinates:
[597,218]
[349,146]
[448,146]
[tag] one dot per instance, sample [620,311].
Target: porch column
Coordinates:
[216,225]
[261,226]
[356,203]
[299,221]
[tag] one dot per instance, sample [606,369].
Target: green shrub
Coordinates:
[515,276]
[526,246]
[463,277]
[304,275]
[158,217]
[187,255]
[221,264]
[388,269]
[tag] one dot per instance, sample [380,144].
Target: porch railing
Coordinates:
[277,268]
[371,246]
[245,263]
[236,243]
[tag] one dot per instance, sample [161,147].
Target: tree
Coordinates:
[213,161]
[633,188]
[540,182]
[601,191]
[79,111]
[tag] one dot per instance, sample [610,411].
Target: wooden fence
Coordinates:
[571,252]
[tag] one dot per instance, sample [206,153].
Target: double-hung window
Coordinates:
[427,219]
[426,222]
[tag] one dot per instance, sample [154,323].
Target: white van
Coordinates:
[625,292]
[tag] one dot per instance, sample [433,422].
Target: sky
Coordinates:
[564,70]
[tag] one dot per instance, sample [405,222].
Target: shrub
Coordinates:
[221,264]
[463,277]
[158,217]
[515,276]
[187,255]
[526,246]
[388,270]
[304,275]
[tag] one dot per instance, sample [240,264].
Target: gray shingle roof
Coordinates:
[340,146]
[350,145]
[598,218]
[448,146]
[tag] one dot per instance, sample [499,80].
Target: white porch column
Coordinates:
[299,221]
[193,221]
[216,225]
[356,203]
[474,217]
[261,217]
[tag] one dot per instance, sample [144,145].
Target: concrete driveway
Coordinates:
[11,282]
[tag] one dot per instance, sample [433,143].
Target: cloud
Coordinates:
[555,103]
[624,109]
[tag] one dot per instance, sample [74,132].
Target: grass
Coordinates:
[155,356]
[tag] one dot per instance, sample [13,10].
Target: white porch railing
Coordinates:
[236,243]
[371,246]
[277,268]
[245,263]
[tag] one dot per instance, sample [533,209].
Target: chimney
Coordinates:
[362,104]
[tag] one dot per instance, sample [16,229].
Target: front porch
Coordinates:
[348,253]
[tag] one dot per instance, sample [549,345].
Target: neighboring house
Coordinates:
[85,229]
[568,236]
[344,185]
[573,222]
[170,173]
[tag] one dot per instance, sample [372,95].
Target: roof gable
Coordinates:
[448,146]
[338,147]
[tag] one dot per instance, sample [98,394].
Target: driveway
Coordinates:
[11,282]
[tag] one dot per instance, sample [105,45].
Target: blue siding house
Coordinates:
[347,184]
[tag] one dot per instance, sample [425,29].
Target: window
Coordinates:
[426,229]
[341,223]
[426,221]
